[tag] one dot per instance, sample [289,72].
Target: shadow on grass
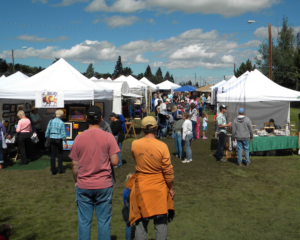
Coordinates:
[32,236]
[6,219]
[214,144]
[113,237]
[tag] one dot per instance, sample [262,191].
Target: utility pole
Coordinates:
[13,60]
[270,52]
[195,78]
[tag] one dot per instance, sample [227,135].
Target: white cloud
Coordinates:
[263,32]
[39,1]
[66,3]
[119,21]
[191,49]
[151,21]
[139,59]
[34,38]
[226,8]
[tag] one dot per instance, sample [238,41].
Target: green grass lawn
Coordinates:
[213,200]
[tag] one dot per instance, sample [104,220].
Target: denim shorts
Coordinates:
[204,128]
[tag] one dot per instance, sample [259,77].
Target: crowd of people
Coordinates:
[149,191]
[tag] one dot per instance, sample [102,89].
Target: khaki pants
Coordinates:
[161,228]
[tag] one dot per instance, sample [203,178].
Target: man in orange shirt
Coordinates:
[152,190]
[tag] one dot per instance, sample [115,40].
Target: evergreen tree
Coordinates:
[140,76]
[118,68]
[148,73]
[284,69]
[3,65]
[171,78]
[56,59]
[127,71]
[167,76]
[90,71]
[243,68]
[159,75]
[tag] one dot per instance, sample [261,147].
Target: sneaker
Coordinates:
[191,160]
[204,138]
[239,164]
[223,160]
[176,155]
[185,161]
[247,164]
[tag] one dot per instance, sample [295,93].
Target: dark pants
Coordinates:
[221,145]
[25,147]
[56,145]
[194,129]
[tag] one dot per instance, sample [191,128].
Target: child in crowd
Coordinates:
[216,125]
[181,108]
[5,231]
[125,211]
[178,138]
[187,136]
[204,125]
[197,127]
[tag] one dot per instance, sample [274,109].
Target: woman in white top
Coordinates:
[187,135]
[193,114]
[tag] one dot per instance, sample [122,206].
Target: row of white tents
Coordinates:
[61,76]
[261,98]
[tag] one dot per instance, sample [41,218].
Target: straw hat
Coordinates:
[33,108]
[174,108]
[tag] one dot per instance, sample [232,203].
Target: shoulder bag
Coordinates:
[4,145]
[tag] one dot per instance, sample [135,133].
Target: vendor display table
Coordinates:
[273,143]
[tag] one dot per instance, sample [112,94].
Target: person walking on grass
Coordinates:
[193,114]
[92,154]
[222,131]
[204,125]
[187,136]
[241,129]
[152,185]
[178,138]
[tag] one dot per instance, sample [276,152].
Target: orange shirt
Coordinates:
[149,190]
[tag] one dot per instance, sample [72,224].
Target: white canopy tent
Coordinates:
[93,78]
[261,98]
[119,88]
[213,93]
[15,78]
[148,83]
[167,85]
[2,77]
[224,84]
[60,76]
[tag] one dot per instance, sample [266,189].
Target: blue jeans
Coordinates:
[163,131]
[187,144]
[194,129]
[128,232]
[87,201]
[120,155]
[204,105]
[178,144]
[243,144]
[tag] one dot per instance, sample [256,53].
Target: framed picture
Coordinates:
[27,114]
[100,105]
[12,118]
[6,107]
[68,129]
[77,114]
[32,103]
[20,107]
[6,123]
[65,113]
[13,108]
[26,106]
[5,115]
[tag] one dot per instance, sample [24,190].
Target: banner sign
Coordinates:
[49,99]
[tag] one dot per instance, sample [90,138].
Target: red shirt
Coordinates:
[215,117]
[92,149]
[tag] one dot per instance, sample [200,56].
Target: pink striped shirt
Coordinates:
[23,123]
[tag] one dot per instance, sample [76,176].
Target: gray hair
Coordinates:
[59,113]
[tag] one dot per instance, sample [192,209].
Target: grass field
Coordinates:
[213,200]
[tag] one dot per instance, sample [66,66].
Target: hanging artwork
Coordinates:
[65,113]
[100,105]
[20,107]
[68,129]
[6,107]
[5,115]
[12,118]
[13,108]
[77,114]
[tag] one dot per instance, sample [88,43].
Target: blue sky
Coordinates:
[183,37]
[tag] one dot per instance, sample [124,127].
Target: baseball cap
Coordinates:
[113,115]
[223,107]
[94,111]
[148,122]
[241,110]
